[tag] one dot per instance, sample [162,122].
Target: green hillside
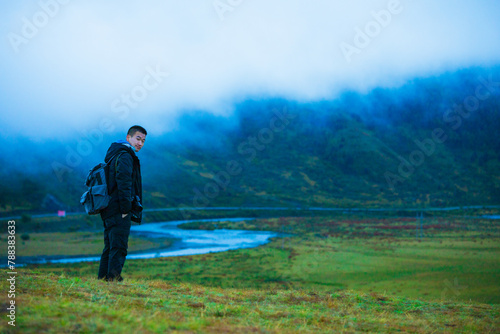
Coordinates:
[432,142]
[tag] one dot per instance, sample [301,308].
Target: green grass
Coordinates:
[327,275]
[76,243]
[52,303]
[383,255]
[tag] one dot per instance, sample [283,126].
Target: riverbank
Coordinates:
[154,240]
[79,221]
[446,260]
[49,247]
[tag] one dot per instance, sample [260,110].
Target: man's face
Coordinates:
[137,140]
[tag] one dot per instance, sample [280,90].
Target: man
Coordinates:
[125,189]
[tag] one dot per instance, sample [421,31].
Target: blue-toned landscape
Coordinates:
[326,168]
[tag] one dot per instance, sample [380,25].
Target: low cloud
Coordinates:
[64,64]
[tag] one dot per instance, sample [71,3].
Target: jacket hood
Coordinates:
[118,147]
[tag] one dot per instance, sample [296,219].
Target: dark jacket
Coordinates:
[124,182]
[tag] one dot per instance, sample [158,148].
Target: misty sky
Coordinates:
[67,66]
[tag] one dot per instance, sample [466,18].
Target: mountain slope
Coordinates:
[432,142]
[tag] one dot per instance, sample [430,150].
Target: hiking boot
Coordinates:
[118,278]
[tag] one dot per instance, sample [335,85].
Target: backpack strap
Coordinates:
[116,160]
[117,155]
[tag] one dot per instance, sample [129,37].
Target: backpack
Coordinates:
[96,198]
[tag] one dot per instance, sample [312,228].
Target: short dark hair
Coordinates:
[136,128]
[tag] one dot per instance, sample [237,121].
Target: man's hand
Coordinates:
[124,215]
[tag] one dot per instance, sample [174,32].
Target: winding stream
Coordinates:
[188,242]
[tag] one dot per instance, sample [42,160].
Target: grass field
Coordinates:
[327,274]
[451,259]
[51,303]
[76,243]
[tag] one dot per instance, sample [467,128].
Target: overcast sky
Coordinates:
[69,66]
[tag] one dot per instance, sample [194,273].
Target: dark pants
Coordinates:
[116,233]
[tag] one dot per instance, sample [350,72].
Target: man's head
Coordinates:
[136,136]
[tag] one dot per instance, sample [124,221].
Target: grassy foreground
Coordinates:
[327,275]
[52,303]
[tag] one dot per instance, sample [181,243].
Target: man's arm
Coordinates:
[124,169]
